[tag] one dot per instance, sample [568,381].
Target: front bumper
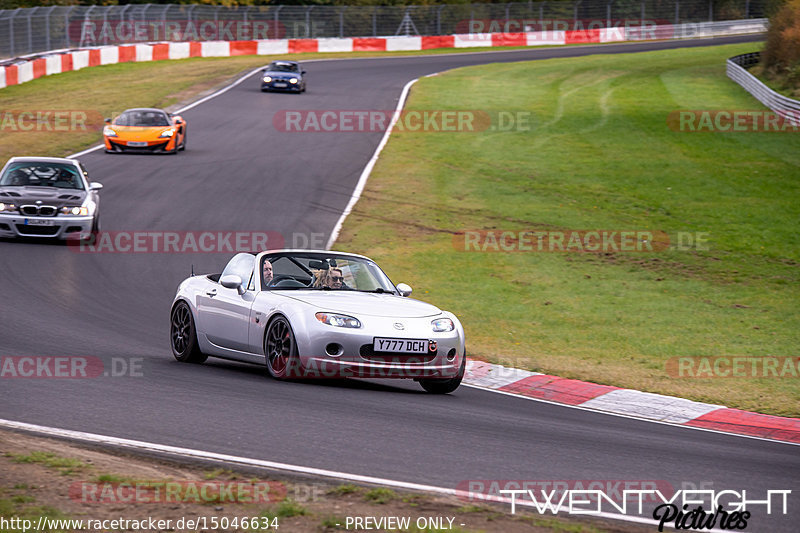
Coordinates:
[332,352]
[57,227]
[282,85]
[152,147]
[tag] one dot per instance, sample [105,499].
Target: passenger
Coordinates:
[329,279]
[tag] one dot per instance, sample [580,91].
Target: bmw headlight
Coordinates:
[167,133]
[109,132]
[442,324]
[293,80]
[76,210]
[342,321]
[267,79]
[7,208]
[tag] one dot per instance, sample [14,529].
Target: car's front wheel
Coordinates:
[280,349]
[184,335]
[445,386]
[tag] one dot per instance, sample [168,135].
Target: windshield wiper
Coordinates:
[379,290]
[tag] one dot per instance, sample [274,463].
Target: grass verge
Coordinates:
[600,156]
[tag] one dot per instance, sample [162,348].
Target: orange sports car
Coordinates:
[145,130]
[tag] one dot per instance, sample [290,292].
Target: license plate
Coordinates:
[400,345]
[279,85]
[35,222]
[137,143]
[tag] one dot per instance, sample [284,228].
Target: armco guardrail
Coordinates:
[781,105]
[24,70]
[38,29]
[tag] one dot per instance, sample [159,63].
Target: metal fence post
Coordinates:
[341,21]
[575,9]
[66,26]
[47,26]
[642,19]
[375,22]
[439,19]
[746,9]
[277,21]
[677,11]
[308,21]
[30,31]
[711,10]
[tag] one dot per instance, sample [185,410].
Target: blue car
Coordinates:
[283,76]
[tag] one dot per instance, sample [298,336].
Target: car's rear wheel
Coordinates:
[445,386]
[184,335]
[280,349]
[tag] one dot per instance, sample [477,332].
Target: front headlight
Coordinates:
[7,208]
[267,79]
[109,132]
[293,80]
[76,210]
[342,321]
[167,133]
[442,324]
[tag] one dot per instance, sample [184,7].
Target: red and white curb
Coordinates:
[56,62]
[632,403]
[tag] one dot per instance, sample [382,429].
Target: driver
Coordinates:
[266,273]
[65,180]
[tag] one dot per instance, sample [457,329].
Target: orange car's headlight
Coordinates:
[108,132]
[167,133]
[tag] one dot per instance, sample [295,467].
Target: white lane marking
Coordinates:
[629,416]
[362,181]
[246,461]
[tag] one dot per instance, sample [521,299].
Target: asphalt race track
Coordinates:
[239,173]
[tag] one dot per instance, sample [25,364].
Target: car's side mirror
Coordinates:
[404,289]
[302,72]
[178,121]
[232,281]
[107,120]
[95,186]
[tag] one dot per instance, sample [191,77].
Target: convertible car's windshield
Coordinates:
[282,67]
[142,118]
[41,175]
[322,271]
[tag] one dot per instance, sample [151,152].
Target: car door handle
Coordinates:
[212,292]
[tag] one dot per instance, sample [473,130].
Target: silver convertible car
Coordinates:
[316,314]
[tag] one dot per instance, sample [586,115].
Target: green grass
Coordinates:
[344,489]
[380,495]
[599,155]
[65,465]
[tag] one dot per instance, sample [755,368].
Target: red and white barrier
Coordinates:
[55,63]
